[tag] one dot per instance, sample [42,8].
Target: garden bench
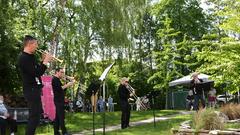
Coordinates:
[22,114]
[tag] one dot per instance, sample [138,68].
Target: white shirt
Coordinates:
[3,110]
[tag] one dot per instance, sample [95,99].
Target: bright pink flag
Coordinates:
[47,98]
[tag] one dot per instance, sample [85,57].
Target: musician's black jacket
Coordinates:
[198,87]
[31,71]
[57,90]
[123,93]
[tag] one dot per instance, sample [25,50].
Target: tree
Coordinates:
[187,17]
[165,57]
[221,55]
[9,52]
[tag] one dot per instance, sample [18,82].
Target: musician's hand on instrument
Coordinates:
[132,94]
[46,58]
[130,99]
[71,78]
[6,115]
[70,84]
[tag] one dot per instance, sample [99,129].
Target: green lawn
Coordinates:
[232,125]
[77,122]
[162,127]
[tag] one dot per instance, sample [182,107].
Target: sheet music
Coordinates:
[104,74]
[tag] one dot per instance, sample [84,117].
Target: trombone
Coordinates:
[72,79]
[44,52]
[132,91]
[69,78]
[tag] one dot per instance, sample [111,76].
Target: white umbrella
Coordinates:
[187,79]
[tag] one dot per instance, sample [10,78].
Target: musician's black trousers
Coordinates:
[8,122]
[125,108]
[33,97]
[59,119]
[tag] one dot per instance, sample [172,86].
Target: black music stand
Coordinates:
[94,86]
[103,78]
[153,95]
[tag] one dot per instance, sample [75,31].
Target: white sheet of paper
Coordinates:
[104,74]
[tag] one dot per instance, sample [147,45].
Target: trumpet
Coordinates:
[44,52]
[132,92]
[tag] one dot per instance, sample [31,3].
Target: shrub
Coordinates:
[231,110]
[207,119]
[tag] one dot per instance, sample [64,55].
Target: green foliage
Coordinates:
[152,43]
[9,50]
[165,57]
[220,60]
[231,15]
[187,17]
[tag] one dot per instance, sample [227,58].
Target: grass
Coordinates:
[232,125]
[162,127]
[77,122]
[112,118]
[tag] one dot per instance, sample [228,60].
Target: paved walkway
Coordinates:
[132,124]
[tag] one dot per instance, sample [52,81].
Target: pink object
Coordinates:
[47,98]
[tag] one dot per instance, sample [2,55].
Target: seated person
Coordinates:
[6,119]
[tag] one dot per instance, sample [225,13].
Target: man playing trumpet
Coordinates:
[31,72]
[124,95]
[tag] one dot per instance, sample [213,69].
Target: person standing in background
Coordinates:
[110,104]
[31,72]
[212,97]
[100,104]
[138,104]
[198,92]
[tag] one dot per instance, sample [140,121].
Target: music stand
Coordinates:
[103,78]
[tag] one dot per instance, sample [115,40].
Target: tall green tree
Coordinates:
[165,57]
[187,17]
[221,56]
[9,51]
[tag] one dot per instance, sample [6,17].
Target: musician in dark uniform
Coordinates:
[198,91]
[124,95]
[31,72]
[58,91]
